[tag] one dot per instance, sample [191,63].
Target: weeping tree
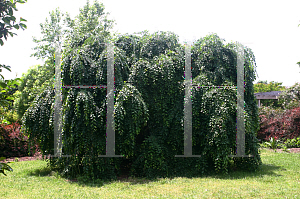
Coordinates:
[149,106]
[149,76]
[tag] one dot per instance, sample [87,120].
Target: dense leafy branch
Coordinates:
[8,20]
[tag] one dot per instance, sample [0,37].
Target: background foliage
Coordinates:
[282,125]
[290,98]
[283,121]
[8,87]
[33,83]
[13,142]
[8,20]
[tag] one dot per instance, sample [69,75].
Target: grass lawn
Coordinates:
[278,177]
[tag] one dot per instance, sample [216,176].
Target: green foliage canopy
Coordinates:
[33,83]
[148,108]
[8,20]
[149,104]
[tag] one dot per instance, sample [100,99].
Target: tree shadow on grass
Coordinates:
[263,170]
[46,171]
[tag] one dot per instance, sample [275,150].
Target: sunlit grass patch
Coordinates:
[278,177]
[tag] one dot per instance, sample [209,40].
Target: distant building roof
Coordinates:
[268,95]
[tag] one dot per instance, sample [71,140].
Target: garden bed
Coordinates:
[290,150]
[39,156]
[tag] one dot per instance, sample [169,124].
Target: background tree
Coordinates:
[35,80]
[8,96]
[54,31]
[264,86]
[290,98]
[7,24]
[60,29]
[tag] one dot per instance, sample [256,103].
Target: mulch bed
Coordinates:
[38,155]
[291,150]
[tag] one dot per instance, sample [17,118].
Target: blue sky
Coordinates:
[269,28]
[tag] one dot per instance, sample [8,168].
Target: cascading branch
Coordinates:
[149,108]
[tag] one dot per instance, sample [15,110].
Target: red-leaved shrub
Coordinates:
[13,143]
[283,125]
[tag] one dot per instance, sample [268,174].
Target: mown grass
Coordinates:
[278,177]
